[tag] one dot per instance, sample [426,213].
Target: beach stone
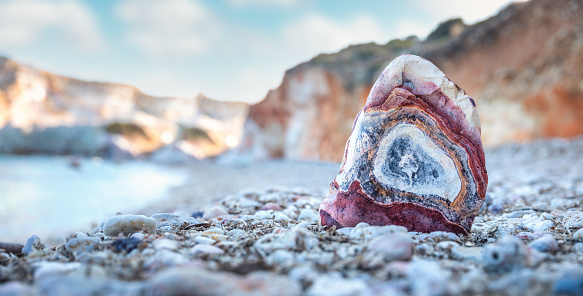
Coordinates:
[46,269]
[17,289]
[578,235]
[546,243]
[165,244]
[506,255]
[573,219]
[195,281]
[427,278]
[206,250]
[309,215]
[365,231]
[33,244]
[213,212]
[536,223]
[81,244]
[126,244]
[271,206]
[393,246]
[128,224]
[204,240]
[569,283]
[413,145]
[335,285]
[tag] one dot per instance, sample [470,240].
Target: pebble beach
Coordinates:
[527,240]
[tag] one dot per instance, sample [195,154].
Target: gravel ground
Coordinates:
[527,240]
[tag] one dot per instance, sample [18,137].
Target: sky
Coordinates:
[227,49]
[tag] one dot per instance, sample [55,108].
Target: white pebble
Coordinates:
[129,224]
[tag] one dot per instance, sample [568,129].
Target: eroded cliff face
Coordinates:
[523,67]
[46,113]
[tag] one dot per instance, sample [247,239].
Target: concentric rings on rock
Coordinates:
[415,156]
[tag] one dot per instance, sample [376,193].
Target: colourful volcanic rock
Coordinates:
[415,156]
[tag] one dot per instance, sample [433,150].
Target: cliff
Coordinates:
[45,113]
[522,66]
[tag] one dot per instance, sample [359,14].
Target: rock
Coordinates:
[213,212]
[507,254]
[33,244]
[546,243]
[578,235]
[330,285]
[573,219]
[364,231]
[309,215]
[569,283]
[467,253]
[17,289]
[189,281]
[165,244]
[395,246]
[11,248]
[535,223]
[204,240]
[46,269]
[395,169]
[427,278]
[87,286]
[81,244]
[128,224]
[206,250]
[271,206]
[126,244]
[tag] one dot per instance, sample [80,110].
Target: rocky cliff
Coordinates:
[523,67]
[46,113]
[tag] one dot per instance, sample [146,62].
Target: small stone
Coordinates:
[206,250]
[17,289]
[546,243]
[128,224]
[81,244]
[427,278]
[45,269]
[578,247]
[569,283]
[189,281]
[309,215]
[330,285]
[507,254]
[263,215]
[126,244]
[271,206]
[393,246]
[535,223]
[573,219]
[467,253]
[365,231]
[165,244]
[204,240]
[214,212]
[33,244]
[495,209]
[578,235]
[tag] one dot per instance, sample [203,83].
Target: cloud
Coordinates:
[170,27]
[470,11]
[24,22]
[281,3]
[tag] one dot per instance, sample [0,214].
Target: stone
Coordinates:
[309,215]
[213,212]
[415,156]
[546,243]
[17,289]
[81,244]
[428,278]
[129,224]
[569,283]
[394,246]
[328,285]
[126,244]
[206,250]
[573,219]
[578,235]
[535,223]
[33,244]
[195,281]
[506,255]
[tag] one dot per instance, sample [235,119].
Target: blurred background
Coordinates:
[120,106]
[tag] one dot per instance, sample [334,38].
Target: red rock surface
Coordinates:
[522,66]
[414,157]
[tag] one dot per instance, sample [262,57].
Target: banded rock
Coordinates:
[414,157]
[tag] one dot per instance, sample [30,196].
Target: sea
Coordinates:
[50,197]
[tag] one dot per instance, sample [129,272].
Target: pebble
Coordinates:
[17,289]
[309,215]
[214,212]
[206,250]
[535,223]
[271,206]
[204,240]
[546,243]
[33,244]
[335,285]
[427,278]
[365,231]
[392,246]
[81,244]
[165,244]
[48,269]
[507,254]
[573,219]
[126,244]
[578,235]
[467,253]
[128,224]
[569,284]
[189,281]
